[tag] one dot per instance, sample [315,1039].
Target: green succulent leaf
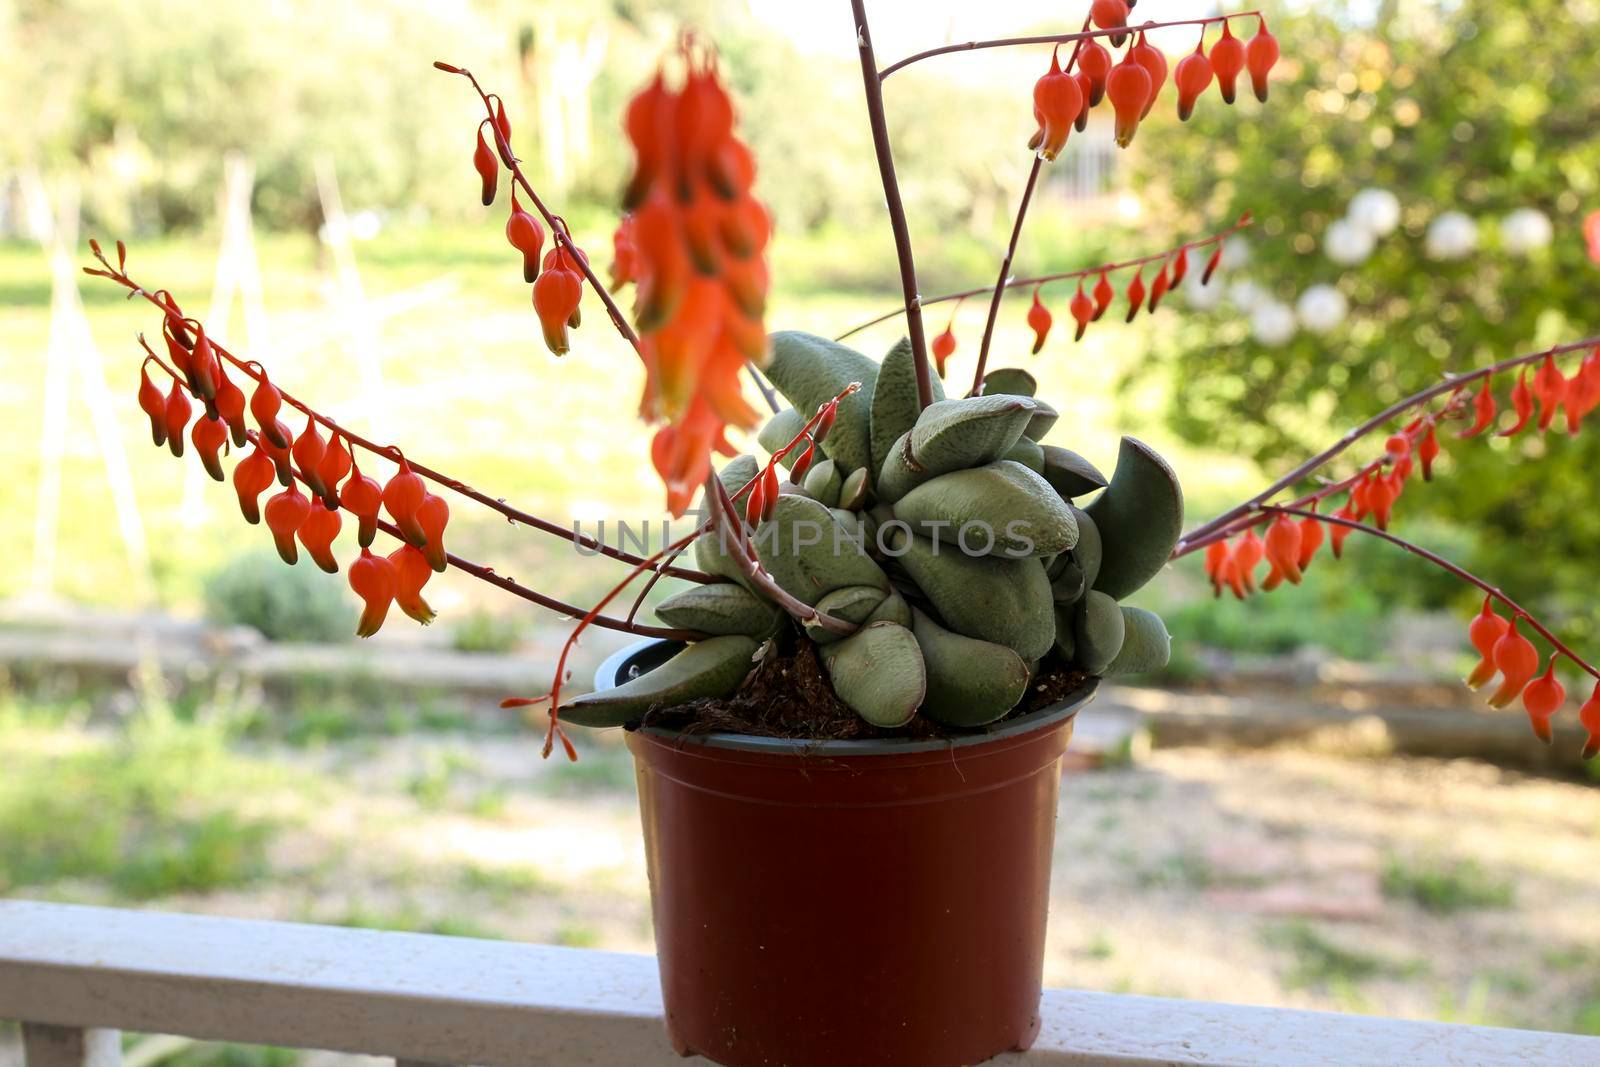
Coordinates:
[779,430]
[1099,630]
[895,404]
[878,671]
[1139,516]
[853,603]
[988,597]
[1027,452]
[720,608]
[1146,647]
[1002,505]
[970,682]
[1070,473]
[809,554]
[951,435]
[1013,380]
[710,668]
[823,482]
[810,371]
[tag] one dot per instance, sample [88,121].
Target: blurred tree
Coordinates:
[1471,106]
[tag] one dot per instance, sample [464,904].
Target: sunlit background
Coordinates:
[186,723]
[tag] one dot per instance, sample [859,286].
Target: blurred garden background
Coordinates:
[185,723]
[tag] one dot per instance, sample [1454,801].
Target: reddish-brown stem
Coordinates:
[872,84]
[1439,561]
[558,225]
[478,570]
[1201,535]
[1011,247]
[390,452]
[1041,279]
[767,392]
[1058,38]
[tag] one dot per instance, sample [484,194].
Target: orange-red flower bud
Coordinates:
[1283,547]
[526,235]
[1486,629]
[1128,87]
[1216,561]
[1083,311]
[176,417]
[1311,537]
[1192,79]
[1103,294]
[374,580]
[433,514]
[1247,557]
[1057,100]
[556,296]
[488,169]
[1428,451]
[1094,63]
[1521,403]
[336,463]
[361,496]
[1038,321]
[1180,267]
[1110,15]
[1135,294]
[944,347]
[1260,56]
[1589,719]
[317,531]
[1227,60]
[1517,661]
[1550,386]
[308,450]
[1158,288]
[264,405]
[251,476]
[1211,265]
[285,511]
[1154,61]
[209,435]
[1484,411]
[1543,698]
[402,495]
[154,404]
[230,403]
[411,573]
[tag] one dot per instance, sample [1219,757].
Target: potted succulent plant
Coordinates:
[848,725]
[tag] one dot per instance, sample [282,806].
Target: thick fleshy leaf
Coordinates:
[970,681]
[988,597]
[779,430]
[1099,629]
[951,435]
[720,608]
[809,554]
[878,671]
[810,371]
[894,400]
[710,668]
[1139,516]
[1070,473]
[1001,508]
[1145,644]
[854,603]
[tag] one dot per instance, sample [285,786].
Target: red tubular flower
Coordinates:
[1094,63]
[700,238]
[1381,496]
[1428,451]
[285,511]
[1517,661]
[755,504]
[178,344]
[1038,321]
[1522,403]
[624,254]
[1543,698]
[1085,88]
[264,405]
[1248,557]
[1192,78]
[1340,531]
[1283,547]
[769,492]
[483,162]
[1211,265]
[1057,100]
[1486,630]
[279,456]
[154,404]
[1180,267]
[1128,87]
[361,496]
[1259,56]
[317,531]
[526,235]
[797,471]
[1227,60]
[1135,294]
[402,495]
[433,514]
[828,414]
[336,463]
[308,450]
[556,296]
[1158,287]
[374,580]
[1103,294]
[1484,411]
[1110,15]
[229,402]
[1083,311]
[176,417]
[1216,562]
[1589,719]
[251,477]
[1550,386]
[944,346]
[1397,447]
[209,435]
[1311,537]
[503,125]
[1154,61]
[411,572]
[203,369]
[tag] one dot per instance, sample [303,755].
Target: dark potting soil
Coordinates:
[788,695]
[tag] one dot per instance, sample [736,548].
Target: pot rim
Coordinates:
[608,673]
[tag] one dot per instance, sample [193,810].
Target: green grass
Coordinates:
[155,810]
[1317,960]
[1445,887]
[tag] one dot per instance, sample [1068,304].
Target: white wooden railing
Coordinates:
[76,976]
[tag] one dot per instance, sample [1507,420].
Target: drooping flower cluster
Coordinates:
[694,243]
[325,466]
[1062,99]
[1295,533]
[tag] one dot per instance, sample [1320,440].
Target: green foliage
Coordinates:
[1444,887]
[284,603]
[1440,104]
[150,813]
[485,631]
[1318,960]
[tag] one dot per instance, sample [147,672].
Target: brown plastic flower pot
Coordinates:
[849,902]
